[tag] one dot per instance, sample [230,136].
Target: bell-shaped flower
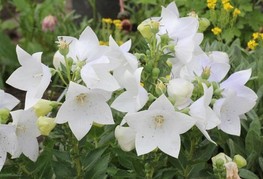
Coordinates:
[121,60]
[125,137]
[86,48]
[159,126]
[8,142]
[82,107]
[27,133]
[96,75]
[135,96]
[7,101]
[237,82]
[32,77]
[180,91]
[229,109]
[206,118]
[213,67]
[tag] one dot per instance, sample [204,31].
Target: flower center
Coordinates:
[159,119]
[81,98]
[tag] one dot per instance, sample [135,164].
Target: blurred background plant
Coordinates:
[234,27]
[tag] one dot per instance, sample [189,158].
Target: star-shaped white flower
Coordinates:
[86,48]
[96,75]
[82,107]
[27,133]
[32,77]
[206,118]
[159,126]
[135,96]
[7,101]
[8,142]
[229,109]
[216,64]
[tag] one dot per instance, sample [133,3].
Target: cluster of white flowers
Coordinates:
[95,72]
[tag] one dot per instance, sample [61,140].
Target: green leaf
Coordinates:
[260,161]
[246,174]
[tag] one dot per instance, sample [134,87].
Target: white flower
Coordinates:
[82,107]
[86,48]
[8,142]
[135,96]
[125,137]
[237,82]
[96,75]
[159,126]
[121,60]
[7,101]
[27,133]
[206,118]
[32,77]
[229,109]
[180,91]
[214,66]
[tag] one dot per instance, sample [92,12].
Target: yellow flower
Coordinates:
[261,35]
[228,6]
[116,21]
[118,26]
[236,12]
[255,35]
[252,44]
[211,4]
[216,30]
[107,20]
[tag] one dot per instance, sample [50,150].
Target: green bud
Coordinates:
[45,125]
[165,39]
[4,114]
[220,159]
[240,161]
[43,107]
[206,73]
[155,73]
[151,97]
[203,24]
[148,29]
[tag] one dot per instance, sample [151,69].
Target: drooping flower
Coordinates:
[125,137]
[49,23]
[27,133]
[8,142]
[206,118]
[32,77]
[45,124]
[82,107]
[159,126]
[135,96]
[231,170]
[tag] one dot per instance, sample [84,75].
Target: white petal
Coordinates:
[185,27]
[126,102]
[89,35]
[145,143]
[237,79]
[125,137]
[201,127]
[80,126]
[218,71]
[22,55]
[170,145]
[2,158]
[29,146]
[126,46]
[7,100]
[184,50]
[162,103]
[230,124]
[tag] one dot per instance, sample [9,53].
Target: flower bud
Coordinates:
[63,46]
[45,125]
[206,73]
[220,159]
[203,24]
[43,107]
[149,28]
[240,161]
[155,73]
[180,91]
[4,114]
[49,23]
[125,137]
